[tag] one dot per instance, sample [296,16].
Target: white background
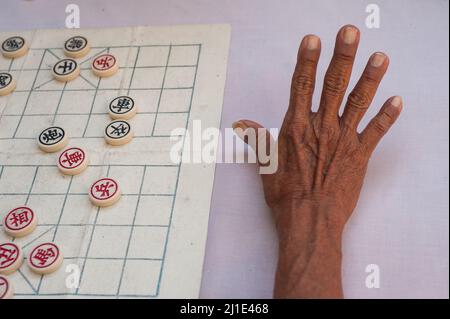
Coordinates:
[401,222]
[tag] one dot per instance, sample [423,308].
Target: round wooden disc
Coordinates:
[66,70]
[45,258]
[73,161]
[7,83]
[6,288]
[14,47]
[52,139]
[20,222]
[105,65]
[11,258]
[118,133]
[122,108]
[104,192]
[76,47]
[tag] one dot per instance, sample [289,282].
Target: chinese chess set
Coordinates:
[21,221]
[92,202]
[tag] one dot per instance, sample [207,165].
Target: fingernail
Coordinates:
[377,59]
[312,43]
[239,129]
[350,35]
[239,124]
[396,101]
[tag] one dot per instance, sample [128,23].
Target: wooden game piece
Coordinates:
[20,222]
[66,70]
[73,161]
[118,132]
[52,139]
[122,108]
[45,258]
[105,65]
[14,47]
[76,47]
[7,83]
[6,288]
[11,258]
[104,192]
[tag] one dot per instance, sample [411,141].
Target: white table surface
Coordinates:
[401,221]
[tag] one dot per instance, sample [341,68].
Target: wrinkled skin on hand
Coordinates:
[322,160]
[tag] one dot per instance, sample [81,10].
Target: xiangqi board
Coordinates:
[151,242]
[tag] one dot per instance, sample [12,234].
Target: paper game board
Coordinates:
[151,243]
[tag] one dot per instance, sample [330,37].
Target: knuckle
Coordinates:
[387,117]
[344,59]
[309,63]
[383,122]
[370,79]
[303,84]
[379,126]
[336,79]
[335,84]
[359,100]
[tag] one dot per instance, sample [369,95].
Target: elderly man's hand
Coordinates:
[322,160]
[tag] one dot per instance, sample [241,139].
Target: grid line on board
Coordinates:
[162,89]
[178,173]
[59,104]
[134,69]
[110,89]
[29,95]
[92,105]
[62,209]
[90,238]
[32,185]
[131,232]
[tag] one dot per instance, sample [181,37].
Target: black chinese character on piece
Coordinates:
[5,79]
[51,135]
[121,105]
[117,129]
[65,66]
[13,44]
[76,43]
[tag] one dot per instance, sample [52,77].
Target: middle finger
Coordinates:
[338,73]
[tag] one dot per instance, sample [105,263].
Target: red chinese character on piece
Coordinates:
[104,62]
[103,188]
[43,255]
[20,221]
[19,218]
[3,287]
[8,254]
[72,158]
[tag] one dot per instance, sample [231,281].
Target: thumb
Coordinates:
[256,136]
